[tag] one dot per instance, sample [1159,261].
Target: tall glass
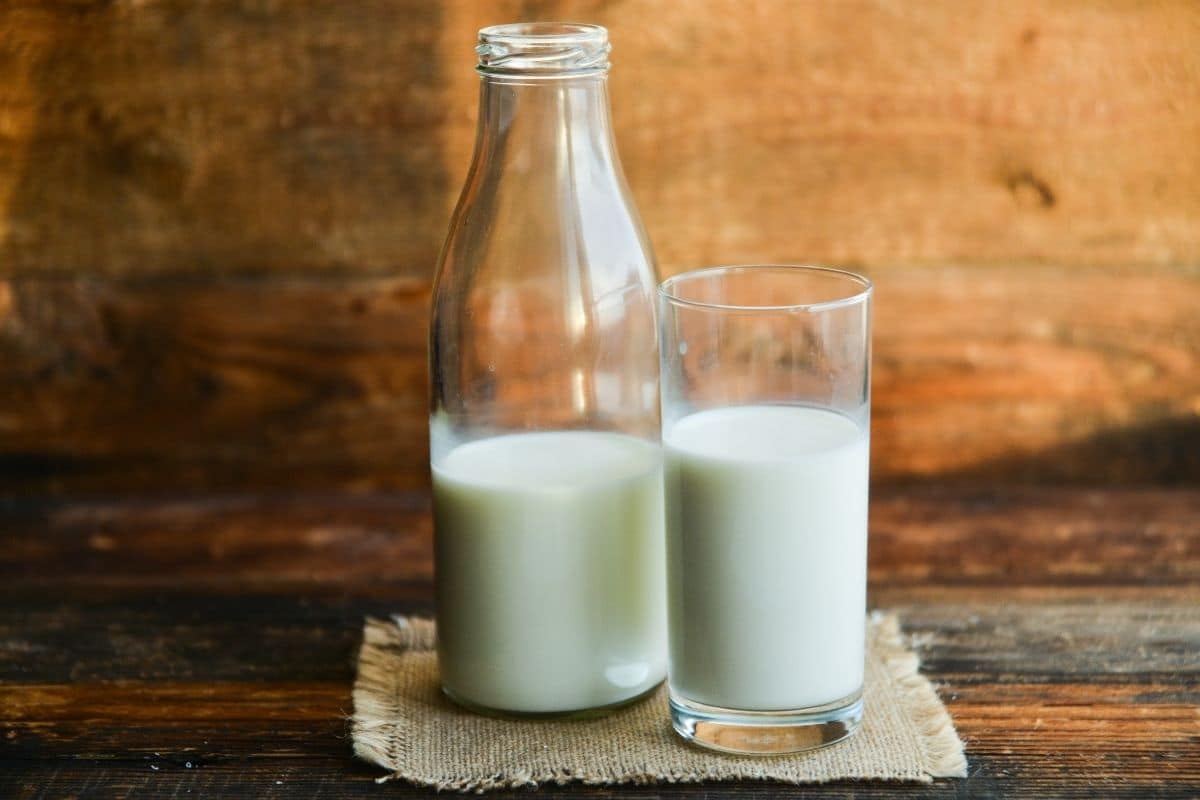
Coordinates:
[766,418]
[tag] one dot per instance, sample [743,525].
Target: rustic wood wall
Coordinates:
[218,220]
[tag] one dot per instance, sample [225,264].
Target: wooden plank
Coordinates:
[176,723]
[263,383]
[1038,375]
[1055,538]
[189,542]
[219,137]
[874,133]
[982,375]
[284,778]
[1011,538]
[1137,731]
[186,637]
[207,723]
[1097,643]
[196,638]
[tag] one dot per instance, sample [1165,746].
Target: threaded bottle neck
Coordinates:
[543,50]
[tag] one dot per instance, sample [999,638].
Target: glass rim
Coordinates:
[864,292]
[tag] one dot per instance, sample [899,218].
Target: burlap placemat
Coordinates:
[403,723]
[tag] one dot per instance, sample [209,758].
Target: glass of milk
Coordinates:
[766,406]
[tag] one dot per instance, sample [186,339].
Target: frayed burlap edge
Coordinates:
[943,749]
[379,724]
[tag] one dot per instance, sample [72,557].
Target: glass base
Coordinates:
[766,732]
[571,713]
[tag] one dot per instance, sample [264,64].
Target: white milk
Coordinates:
[549,552]
[767,556]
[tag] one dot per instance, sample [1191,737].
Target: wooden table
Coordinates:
[204,646]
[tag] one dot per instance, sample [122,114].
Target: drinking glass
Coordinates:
[766,412]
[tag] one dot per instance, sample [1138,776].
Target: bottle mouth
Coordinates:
[543,49]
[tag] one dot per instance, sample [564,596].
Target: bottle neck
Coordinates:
[529,124]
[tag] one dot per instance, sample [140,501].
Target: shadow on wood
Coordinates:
[1164,453]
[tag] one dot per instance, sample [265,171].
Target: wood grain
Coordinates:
[236,137]
[213,137]
[198,384]
[981,375]
[234,679]
[1038,374]
[1012,538]
[337,779]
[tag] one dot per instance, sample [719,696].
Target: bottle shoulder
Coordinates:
[591,248]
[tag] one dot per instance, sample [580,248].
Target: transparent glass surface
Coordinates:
[766,419]
[544,397]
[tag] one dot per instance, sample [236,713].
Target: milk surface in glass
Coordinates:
[767,538]
[549,556]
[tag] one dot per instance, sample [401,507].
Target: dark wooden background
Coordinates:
[218,221]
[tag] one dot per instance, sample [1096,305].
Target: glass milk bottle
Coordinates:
[544,428]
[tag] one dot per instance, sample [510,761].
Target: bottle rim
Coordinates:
[543,49]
